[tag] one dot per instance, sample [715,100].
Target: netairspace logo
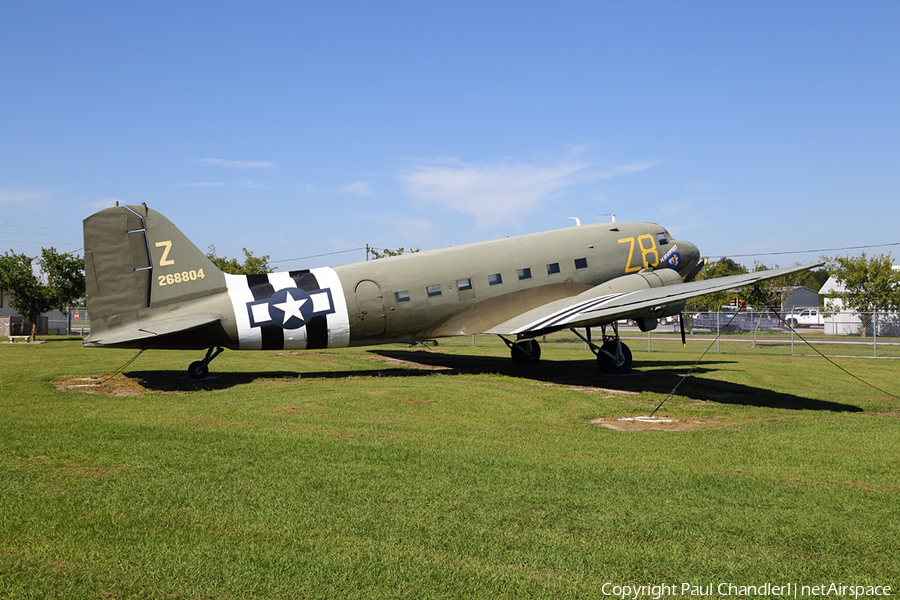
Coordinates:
[724,589]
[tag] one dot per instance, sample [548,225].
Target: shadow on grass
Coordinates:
[178,381]
[649,376]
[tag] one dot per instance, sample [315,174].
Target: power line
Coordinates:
[805,251]
[317,255]
[44,235]
[40,227]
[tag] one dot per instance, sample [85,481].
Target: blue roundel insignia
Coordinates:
[290,308]
[674,261]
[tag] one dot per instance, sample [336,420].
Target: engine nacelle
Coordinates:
[648,319]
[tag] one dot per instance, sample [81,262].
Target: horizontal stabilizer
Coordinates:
[151,329]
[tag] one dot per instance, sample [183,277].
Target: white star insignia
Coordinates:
[291,308]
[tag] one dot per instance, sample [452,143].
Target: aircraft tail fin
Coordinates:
[137,260]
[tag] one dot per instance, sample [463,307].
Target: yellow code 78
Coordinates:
[649,252]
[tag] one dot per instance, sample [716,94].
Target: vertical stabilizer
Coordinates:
[137,261]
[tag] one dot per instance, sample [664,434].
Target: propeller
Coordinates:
[681,322]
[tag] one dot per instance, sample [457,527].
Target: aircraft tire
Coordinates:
[526,352]
[608,365]
[198,370]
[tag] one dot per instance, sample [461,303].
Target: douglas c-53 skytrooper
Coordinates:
[148,286]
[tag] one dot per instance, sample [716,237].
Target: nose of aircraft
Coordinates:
[688,258]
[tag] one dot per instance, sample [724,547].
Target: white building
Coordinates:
[846,322]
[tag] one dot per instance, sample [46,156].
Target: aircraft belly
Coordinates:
[292,311]
[480,316]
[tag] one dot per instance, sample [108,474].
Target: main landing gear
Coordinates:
[524,351]
[613,357]
[200,369]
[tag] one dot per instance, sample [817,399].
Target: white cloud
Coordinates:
[104,203]
[250,185]
[363,189]
[414,231]
[499,193]
[236,164]
[20,195]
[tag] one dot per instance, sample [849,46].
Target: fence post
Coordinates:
[718,333]
[875,334]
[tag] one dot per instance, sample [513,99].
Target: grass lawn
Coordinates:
[446,472]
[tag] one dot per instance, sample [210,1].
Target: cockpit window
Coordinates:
[662,238]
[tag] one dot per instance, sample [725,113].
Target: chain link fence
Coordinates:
[833,333]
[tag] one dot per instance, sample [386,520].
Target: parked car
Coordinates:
[807,317]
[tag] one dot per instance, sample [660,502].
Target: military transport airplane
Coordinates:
[148,286]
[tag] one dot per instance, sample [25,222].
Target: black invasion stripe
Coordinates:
[260,287]
[562,315]
[588,308]
[317,327]
[272,335]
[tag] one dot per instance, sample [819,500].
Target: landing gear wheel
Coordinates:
[198,370]
[611,362]
[526,352]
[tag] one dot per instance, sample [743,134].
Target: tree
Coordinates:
[870,284]
[387,252]
[812,279]
[253,265]
[31,296]
[721,268]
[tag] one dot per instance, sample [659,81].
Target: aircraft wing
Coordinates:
[597,306]
[159,327]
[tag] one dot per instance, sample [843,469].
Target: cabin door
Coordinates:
[370,315]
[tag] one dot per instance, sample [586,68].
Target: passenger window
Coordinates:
[401,296]
[433,290]
[581,263]
[552,268]
[463,284]
[524,274]
[495,279]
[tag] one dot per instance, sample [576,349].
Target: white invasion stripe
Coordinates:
[339,321]
[281,281]
[295,339]
[570,314]
[566,314]
[249,338]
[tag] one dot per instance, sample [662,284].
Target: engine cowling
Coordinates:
[648,319]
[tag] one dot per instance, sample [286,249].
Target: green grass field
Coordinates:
[397,472]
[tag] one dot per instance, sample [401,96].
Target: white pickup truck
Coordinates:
[807,317]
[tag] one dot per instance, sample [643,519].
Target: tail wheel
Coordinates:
[526,352]
[614,358]
[198,370]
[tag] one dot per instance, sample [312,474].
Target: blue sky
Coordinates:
[297,129]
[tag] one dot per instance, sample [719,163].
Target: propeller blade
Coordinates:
[681,321]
